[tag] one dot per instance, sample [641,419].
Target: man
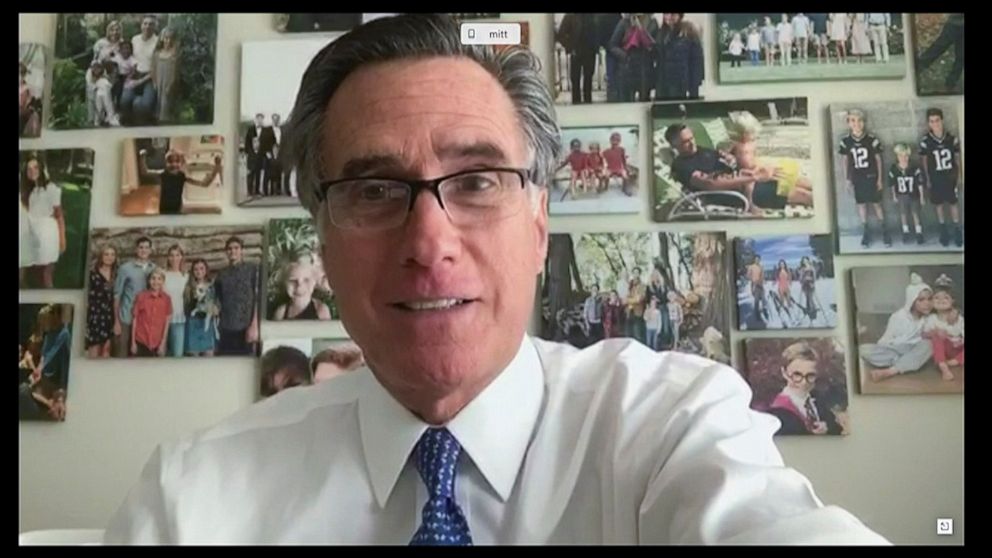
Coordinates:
[578,34]
[237,292]
[801,30]
[878,25]
[462,429]
[266,145]
[700,169]
[132,278]
[592,311]
[862,166]
[940,152]
[273,158]
[756,275]
[254,156]
[137,104]
[637,301]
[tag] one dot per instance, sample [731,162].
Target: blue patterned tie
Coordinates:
[442,522]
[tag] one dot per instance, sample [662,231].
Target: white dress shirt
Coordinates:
[612,444]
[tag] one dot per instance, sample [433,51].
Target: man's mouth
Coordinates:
[432,304]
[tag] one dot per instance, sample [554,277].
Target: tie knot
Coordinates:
[437,454]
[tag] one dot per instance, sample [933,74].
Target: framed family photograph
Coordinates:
[785,282]
[172,176]
[271,72]
[598,173]
[296,286]
[45,339]
[303,361]
[55,191]
[732,160]
[939,40]
[133,70]
[310,23]
[174,291]
[668,291]
[31,91]
[625,58]
[810,47]
[802,381]
[910,328]
[898,179]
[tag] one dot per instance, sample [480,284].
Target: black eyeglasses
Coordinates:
[799,376]
[469,197]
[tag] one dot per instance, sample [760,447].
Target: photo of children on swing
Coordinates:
[732,160]
[785,282]
[910,328]
[669,291]
[598,172]
[800,381]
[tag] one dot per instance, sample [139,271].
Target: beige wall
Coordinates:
[902,467]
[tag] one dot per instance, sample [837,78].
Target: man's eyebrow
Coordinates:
[367,164]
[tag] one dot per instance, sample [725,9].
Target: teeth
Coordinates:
[439,304]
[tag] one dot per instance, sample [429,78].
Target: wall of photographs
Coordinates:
[712,199]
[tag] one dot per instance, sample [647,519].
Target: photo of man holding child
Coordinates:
[732,160]
[170,291]
[133,70]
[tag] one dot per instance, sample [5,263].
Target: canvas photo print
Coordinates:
[303,361]
[910,328]
[31,90]
[810,46]
[801,381]
[785,282]
[116,70]
[598,172]
[55,191]
[296,285]
[624,58]
[45,339]
[271,72]
[669,291]
[939,42]
[174,291]
[732,160]
[302,23]
[898,180]
[172,175]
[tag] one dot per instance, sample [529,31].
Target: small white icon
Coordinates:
[471,33]
[945,526]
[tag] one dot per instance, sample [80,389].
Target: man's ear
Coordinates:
[541,230]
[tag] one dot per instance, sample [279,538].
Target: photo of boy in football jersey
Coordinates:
[897,177]
[941,155]
[862,167]
[906,182]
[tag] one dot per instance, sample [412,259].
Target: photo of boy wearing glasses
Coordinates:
[802,385]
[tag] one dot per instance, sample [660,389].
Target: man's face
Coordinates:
[259,119]
[686,142]
[594,291]
[144,250]
[233,252]
[418,119]
[275,119]
[936,125]
[147,26]
[801,375]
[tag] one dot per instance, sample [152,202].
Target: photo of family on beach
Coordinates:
[910,328]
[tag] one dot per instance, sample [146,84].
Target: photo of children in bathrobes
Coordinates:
[910,328]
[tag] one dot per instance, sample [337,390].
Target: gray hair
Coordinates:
[517,69]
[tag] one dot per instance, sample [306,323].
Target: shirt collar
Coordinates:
[494,439]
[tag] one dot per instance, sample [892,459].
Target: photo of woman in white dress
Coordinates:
[42,200]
